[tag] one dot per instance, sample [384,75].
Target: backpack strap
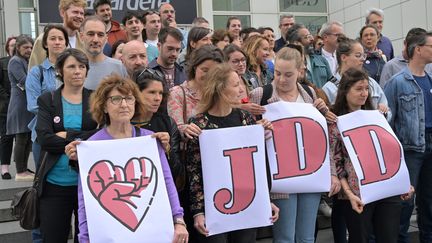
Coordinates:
[41,74]
[267,93]
[307,89]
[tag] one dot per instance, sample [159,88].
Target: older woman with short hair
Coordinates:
[115,103]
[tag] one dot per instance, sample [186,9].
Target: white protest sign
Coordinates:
[235,183]
[298,152]
[376,154]
[124,191]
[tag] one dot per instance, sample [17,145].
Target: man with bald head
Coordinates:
[134,56]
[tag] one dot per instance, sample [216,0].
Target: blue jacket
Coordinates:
[406,101]
[319,72]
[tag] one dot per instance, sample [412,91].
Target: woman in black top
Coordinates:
[152,86]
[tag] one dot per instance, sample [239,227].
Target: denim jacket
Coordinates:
[405,99]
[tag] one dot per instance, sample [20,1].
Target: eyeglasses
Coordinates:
[117,99]
[359,55]
[308,37]
[152,72]
[238,61]
[336,34]
[172,11]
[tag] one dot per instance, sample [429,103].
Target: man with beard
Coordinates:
[72,13]
[318,70]
[169,47]
[134,56]
[94,37]
[134,26]
[167,14]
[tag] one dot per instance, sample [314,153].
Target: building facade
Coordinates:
[23,16]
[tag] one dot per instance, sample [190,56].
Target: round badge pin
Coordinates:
[367,61]
[56,119]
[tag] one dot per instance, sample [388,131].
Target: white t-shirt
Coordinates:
[152,42]
[72,41]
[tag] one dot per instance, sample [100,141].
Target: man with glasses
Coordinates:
[398,63]
[169,47]
[72,13]
[134,56]
[94,37]
[167,14]
[409,94]
[318,70]
[329,33]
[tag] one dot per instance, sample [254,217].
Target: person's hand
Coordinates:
[320,105]
[164,138]
[409,194]
[335,186]
[61,134]
[356,204]
[181,234]
[275,213]
[199,224]
[331,117]
[383,108]
[253,108]
[268,126]
[192,131]
[71,150]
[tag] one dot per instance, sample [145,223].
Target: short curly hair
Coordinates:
[99,98]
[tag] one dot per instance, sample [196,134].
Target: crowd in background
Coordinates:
[94,78]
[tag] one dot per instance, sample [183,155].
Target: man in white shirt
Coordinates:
[329,33]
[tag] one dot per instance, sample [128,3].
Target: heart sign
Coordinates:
[125,193]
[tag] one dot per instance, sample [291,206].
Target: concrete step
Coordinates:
[5,211]
[11,232]
[8,188]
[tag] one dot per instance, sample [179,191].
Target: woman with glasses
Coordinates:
[116,102]
[151,84]
[350,54]
[236,58]
[375,58]
[63,116]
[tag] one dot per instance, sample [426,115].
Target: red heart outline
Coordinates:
[113,187]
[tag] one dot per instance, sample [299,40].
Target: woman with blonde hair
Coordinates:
[257,50]
[220,94]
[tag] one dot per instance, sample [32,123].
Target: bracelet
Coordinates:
[180,221]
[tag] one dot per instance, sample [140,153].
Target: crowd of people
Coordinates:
[92,78]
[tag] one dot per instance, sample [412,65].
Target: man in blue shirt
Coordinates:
[376,17]
[409,95]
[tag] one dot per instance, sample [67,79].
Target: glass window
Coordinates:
[313,23]
[220,21]
[231,5]
[25,4]
[28,24]
[314,6]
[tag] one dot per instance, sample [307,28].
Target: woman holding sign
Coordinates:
[299,211]
[220,93]
[382,216]
[115,103]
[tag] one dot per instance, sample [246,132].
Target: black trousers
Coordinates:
[237,236]
[57,205]
[381,217]
[6,143]
[23,145]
